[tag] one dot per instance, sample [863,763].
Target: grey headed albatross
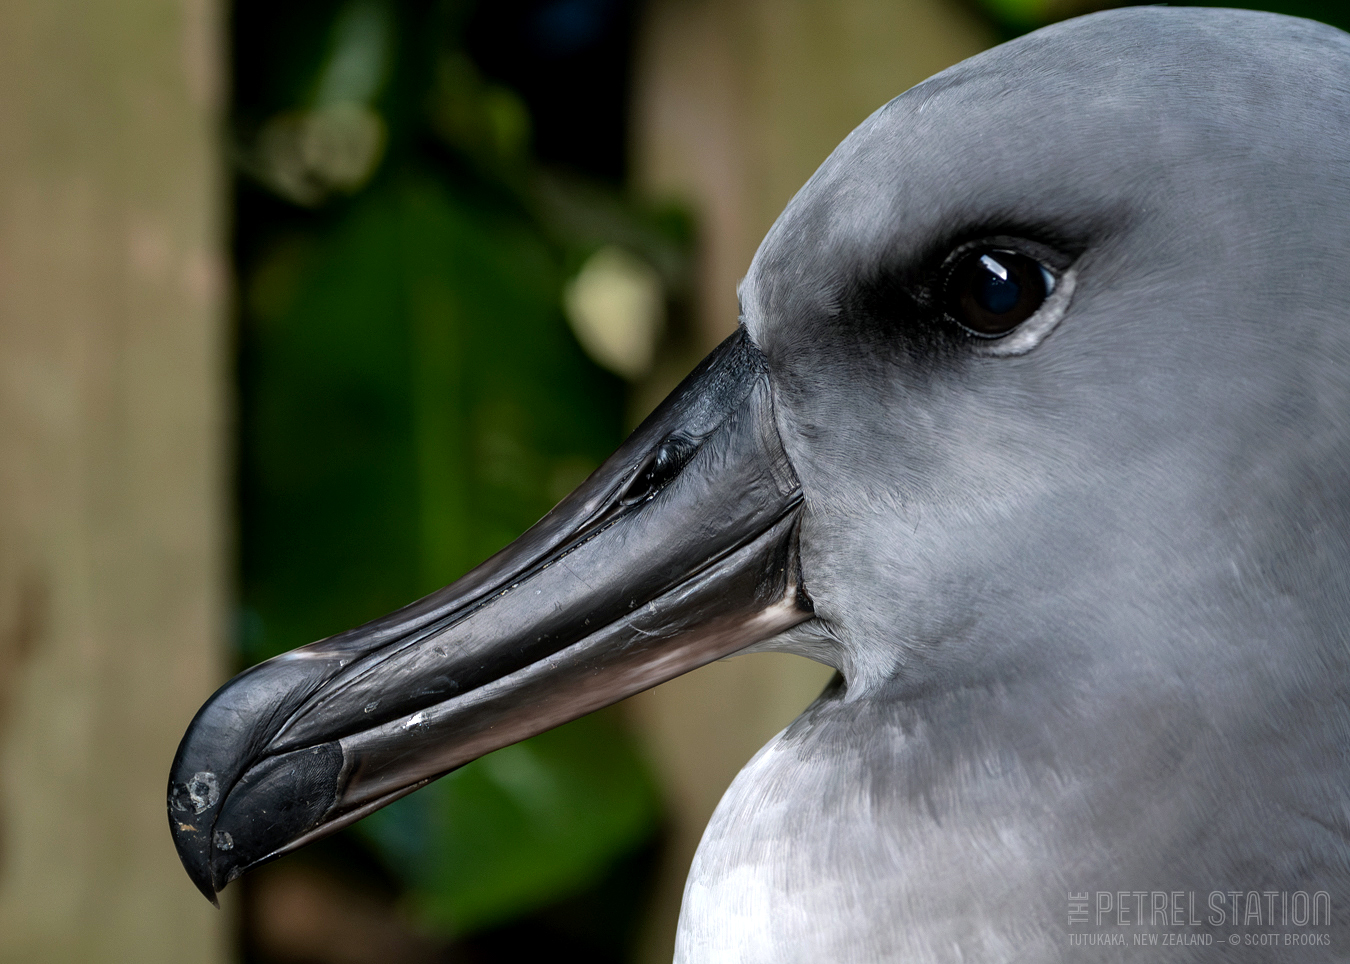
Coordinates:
[1037,428]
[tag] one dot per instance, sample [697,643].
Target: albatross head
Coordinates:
[1147,456]
[1038,423]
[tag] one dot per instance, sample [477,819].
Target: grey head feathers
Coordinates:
[1090,597]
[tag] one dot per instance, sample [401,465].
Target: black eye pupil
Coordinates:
[995,290]
[990,292]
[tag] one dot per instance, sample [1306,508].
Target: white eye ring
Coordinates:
[1033,331]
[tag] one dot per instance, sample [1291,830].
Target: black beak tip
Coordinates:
[192,812]
[194,852]
[277,801]
[213,762]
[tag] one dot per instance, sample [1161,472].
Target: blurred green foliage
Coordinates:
[412,399]
[415,401]
[519,827]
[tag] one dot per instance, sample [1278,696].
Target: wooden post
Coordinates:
[113,363]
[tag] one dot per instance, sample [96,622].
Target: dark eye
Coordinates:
[661,466]
[991,292]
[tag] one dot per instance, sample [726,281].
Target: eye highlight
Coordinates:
[990,291]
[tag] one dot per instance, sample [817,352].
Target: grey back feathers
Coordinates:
[1088,586]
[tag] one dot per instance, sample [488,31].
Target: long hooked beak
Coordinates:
[680,549]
